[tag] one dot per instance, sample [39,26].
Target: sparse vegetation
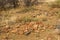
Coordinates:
[56,4]
[30,21]
[27,19]
[8,4]
[5,4]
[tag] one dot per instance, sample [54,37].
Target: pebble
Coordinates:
[27,33]
[35,27]
[42,39]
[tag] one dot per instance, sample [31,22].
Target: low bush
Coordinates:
[5,4]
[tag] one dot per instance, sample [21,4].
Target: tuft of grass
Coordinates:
[56,4]
[27,9]
[27,19]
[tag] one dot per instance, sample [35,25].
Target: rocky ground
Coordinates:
[40,22]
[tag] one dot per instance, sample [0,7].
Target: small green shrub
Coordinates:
[27,19]
[27,10]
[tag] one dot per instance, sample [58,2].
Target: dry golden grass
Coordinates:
[33,23]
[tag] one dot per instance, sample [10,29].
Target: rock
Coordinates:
[14,30]
[57,31]
[35,26]
[42,39]
[27,32]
